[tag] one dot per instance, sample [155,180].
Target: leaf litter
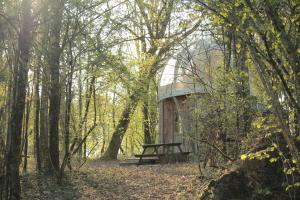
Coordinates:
[108,181]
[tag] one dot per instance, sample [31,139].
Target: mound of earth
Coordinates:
[255,179]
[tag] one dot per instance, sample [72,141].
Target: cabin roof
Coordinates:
[189,71]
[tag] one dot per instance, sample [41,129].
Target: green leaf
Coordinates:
[272,160]
[243,156]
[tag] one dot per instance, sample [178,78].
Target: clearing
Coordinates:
[108,180]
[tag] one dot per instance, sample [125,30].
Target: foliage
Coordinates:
[102,58]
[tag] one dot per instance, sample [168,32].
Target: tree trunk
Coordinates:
[68,105]
[44,104]
[56,13]
[18,102]
[37,117]
[297,115]
[25,130]
[243,91]
[103,119]
[79,132]
[44,119]
[146,122]
[112,151]
[242,87]
[84,143]
[147,116]
[113,107]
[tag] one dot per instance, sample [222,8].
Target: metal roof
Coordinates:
[190,70]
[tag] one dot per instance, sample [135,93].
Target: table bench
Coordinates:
[163,153]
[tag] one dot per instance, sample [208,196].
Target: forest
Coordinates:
[150,99]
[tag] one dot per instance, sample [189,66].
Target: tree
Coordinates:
[44,97]
[270,29]
[56,8]
[156,18]
[37,117]
[18,102]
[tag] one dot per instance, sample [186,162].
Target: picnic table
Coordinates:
[162,152]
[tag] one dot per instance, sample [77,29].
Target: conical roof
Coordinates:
[190,70]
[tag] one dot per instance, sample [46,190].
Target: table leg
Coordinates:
[141,158]
[169,153]
[156,150]
[179,148]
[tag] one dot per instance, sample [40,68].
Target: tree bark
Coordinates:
[25,130]
[18,102]
[297,115]
[68,103]
[146,121]
[56,13]
[67,113]
[79,132]
[112,151]
[37,117]
[243,91]
[44,125]
[44,98]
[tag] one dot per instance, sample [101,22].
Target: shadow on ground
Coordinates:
[42,187]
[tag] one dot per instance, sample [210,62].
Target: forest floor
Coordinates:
[107,180]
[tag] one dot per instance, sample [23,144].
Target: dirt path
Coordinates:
[100,180]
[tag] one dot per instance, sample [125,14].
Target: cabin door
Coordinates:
[167,120]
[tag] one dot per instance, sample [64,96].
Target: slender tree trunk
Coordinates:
[2,153]
[6,141]
[18,102]
[79,132]
[84,143]
[62,120]
[103,120]
[9,102]
[146,122]
[153,114]
[88,96]
[243,120]
[114,107]
[25,129]
[243,91]
[56,13]
[37,117]
[44,118]
[68,105]
[297,89]
[44,98]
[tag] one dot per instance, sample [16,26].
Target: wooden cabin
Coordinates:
[186,74]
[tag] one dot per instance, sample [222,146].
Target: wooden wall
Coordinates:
[169,117]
